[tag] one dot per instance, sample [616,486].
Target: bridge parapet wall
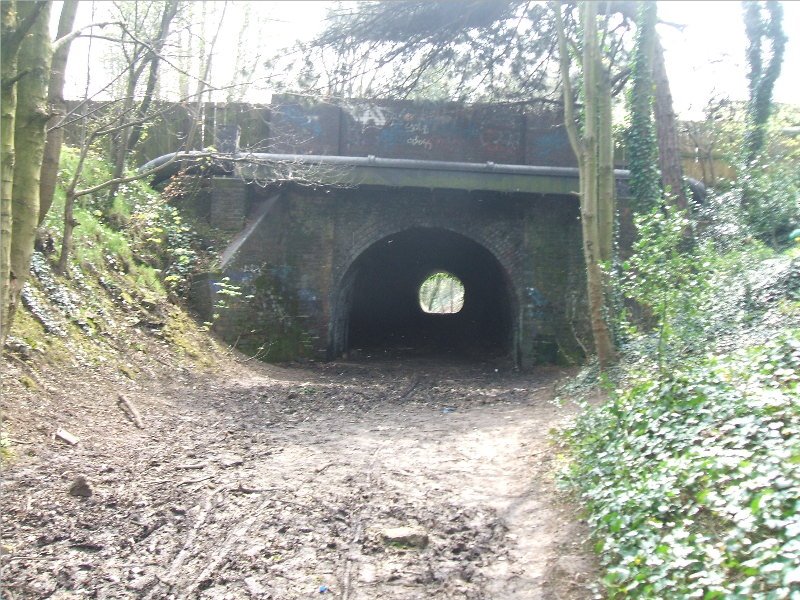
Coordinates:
[529,133]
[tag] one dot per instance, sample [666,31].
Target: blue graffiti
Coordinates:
[298,118]
[550,141]
[393,134]
[537,304]
[308,300]
[280,272]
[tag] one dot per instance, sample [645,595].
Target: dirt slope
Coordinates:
[260,482]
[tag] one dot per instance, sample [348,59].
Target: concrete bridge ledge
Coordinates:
[348,171]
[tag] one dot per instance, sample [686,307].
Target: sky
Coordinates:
[705,58]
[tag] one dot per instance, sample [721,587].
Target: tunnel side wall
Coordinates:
[295,273]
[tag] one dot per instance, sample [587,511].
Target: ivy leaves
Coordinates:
[692,479]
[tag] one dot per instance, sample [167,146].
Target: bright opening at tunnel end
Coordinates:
[441,293]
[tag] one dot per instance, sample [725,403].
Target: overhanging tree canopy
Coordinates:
[471,50]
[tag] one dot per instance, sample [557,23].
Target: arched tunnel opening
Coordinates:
[383,312]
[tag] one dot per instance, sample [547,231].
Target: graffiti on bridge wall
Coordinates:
[422,130]
[430,131]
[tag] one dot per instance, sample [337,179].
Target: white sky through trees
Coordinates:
[705,59]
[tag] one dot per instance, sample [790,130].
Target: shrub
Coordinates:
[668,275]
[692,478]
[140,233]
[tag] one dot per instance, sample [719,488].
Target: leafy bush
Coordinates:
[705,293]
[763,200]
[96,242]
[692,478]
[668,275]
[772,192]
[164,239]
[691,471]
[770,186]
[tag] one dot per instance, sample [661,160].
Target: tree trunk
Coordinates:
[69,206]
[29,136]
[66,238]
[55,97]
[642,145]
[184,58]
[170,9]
[119,140]
[589,152]
[8,101]
[595,224]
[669,156]
[761,80]
[606,205]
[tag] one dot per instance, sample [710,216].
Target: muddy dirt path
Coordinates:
[352,481]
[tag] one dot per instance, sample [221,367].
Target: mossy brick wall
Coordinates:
[295,263]
[228,204]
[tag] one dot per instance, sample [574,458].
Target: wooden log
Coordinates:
[130,410]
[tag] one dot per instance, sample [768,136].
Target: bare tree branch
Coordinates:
[68,38]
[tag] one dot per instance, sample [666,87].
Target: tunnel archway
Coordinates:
[378,305]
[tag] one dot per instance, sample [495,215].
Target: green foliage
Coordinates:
[141,234]
[163,237]
[113,289]
[698,282]
[774,206]
[668,276]
[692,478]
[770,188]
[96,241]
[764,200]
[690,472]
[225,293]
[441,293]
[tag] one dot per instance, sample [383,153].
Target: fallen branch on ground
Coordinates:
[237,533]
[191,481]
[130,410]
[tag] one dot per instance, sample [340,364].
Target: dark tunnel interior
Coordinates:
[384,310]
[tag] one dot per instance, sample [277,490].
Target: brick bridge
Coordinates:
[340,216]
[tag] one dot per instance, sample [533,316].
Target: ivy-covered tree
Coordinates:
[641,144]
[669,156]
[766,45]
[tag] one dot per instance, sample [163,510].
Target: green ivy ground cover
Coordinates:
[692,478]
